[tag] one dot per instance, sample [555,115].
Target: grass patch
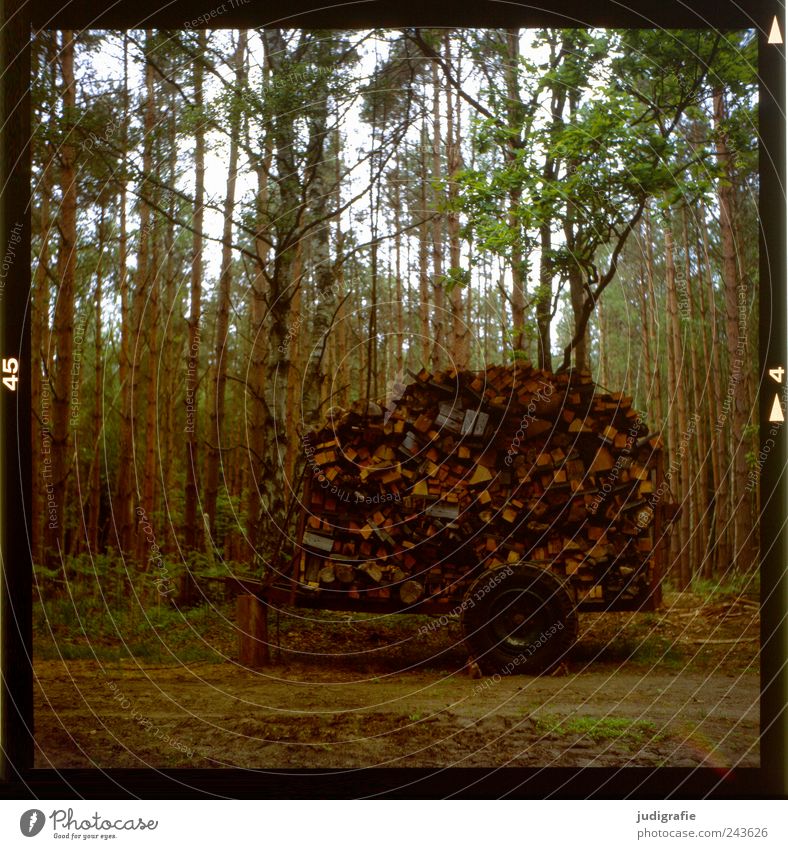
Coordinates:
[81,627]
[599,729]
[147,652]
[727,587]
[656,650]
[651,650]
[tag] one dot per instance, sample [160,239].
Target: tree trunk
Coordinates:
[460,331]
[295,372]
[312,382]
[656,386]
[191,525]
[679,447]
[514,118]
[256,409]
[544,304]
[123,519]
[438,317]
[341,371]
[719,443]
[219,378]
[577,297]
[98,393]
[424,275]
[148,292]
[712,544]
[63,325]
[604,360]
[736,321]
[286,235]
[699,455]
[398,305]
[172,343]
[545,298]
[577,294]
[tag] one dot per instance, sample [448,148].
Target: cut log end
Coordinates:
[410,592]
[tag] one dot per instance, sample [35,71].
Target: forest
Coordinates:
[235,232]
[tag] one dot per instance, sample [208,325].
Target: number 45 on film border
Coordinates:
[10,377]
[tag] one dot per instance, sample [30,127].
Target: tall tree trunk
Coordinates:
[341,390]
[544,302]
[438,316]
[604,364]
[699,455]
[149,301]
[679,460]
[398,295]
[256,409]
[98,393]
[371,378]
[123,508]
[172,343]
[460,330]
[294,375]
[656,385]
[712,543]
[736,321]
[219,378]
[575,272]
[514,115]
[192,524]
[286,235]
[642,294]
[63,325]
[424,277]
[545,297]
[313,380]
[577,297]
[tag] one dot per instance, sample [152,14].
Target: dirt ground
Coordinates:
[675,688]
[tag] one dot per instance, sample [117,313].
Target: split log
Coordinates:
[344,573]
[410,592]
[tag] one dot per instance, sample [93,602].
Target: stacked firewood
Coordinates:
[465,470]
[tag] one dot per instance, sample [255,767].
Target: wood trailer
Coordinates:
[511,498]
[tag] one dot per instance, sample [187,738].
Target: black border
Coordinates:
[17,778]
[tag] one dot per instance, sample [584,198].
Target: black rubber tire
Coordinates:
[518,619]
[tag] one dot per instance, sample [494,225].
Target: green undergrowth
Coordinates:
[728,587]
[81,629]
[599,729]
[636,647]
[84,620]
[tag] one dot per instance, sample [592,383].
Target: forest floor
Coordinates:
[678,687]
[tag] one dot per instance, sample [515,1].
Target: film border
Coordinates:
[18,17]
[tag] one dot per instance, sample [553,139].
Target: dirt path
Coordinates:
[216,715]
[676,688]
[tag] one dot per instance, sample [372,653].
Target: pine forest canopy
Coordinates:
[234,231]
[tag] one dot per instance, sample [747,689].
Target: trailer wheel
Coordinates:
[518,619]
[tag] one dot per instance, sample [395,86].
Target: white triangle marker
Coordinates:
[776,414]
[775,36]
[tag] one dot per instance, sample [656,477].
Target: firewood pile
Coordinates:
[407,500]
